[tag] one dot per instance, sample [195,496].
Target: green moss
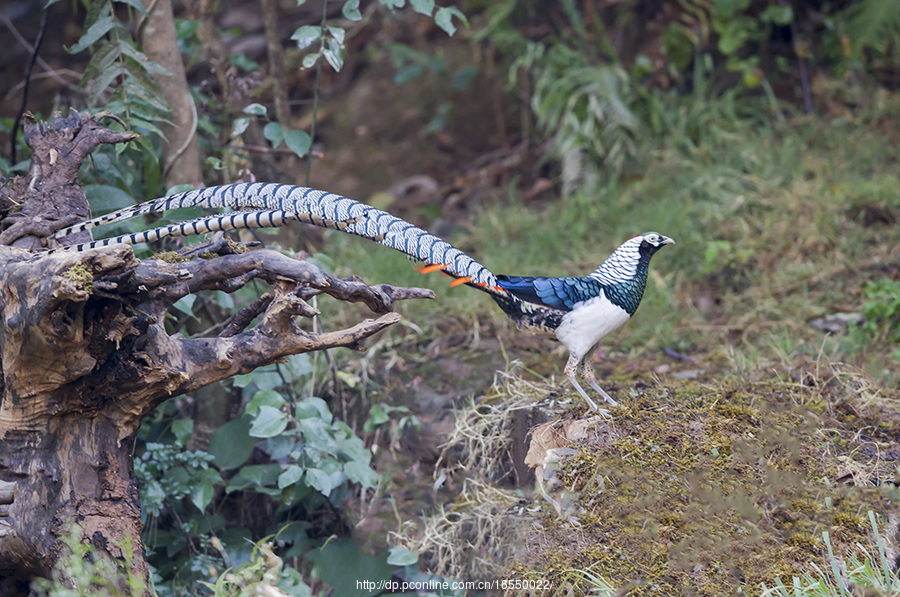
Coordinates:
[701,490]
[81,273]
[170,257]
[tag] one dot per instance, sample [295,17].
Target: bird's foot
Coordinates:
[593,405]
[600,391]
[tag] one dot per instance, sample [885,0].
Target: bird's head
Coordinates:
[651,242]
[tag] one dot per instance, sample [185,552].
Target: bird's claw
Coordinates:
[600,391]
[591,404]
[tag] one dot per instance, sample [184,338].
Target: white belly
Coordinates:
[583,327]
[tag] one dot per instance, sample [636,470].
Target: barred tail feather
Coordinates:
[230,221]
[294,203]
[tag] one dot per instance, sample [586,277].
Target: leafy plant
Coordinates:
[264,574]
[722,255]
[119,77]
[585,108]
[169,472]
[395,419]
[298,141]
[882,309]
[328,41]
[84,572]
[868,569]
[873,26]
[317,452]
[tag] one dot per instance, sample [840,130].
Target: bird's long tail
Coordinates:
[261,205]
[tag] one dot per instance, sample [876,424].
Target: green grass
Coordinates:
[865,568]
[776,225]
[771,226]
[868,571]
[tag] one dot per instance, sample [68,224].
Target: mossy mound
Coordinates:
[708,488]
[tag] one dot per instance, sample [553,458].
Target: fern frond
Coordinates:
[873,24]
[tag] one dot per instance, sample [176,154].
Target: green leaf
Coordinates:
[393,3]
[360,472]
[143,61]
[334,560]
[104,198]
[334,54]
[291,475]
[101,27]
[443,18]
[105,76]
[223,300]
[425,7]
[274,132]
[408,73]
[306,36]
[310,456]
[136,4]
[256,476]
[729,8]
[350,446]
[780,15]
[298,141]
[178,478]
[732,38]
[399,556]
[256,110]
[322,481]
[300,365]
[214,163]
[314,407]
[183,430]
[322,261]
[264,398]
[203,492]
[318,433]
[231,444]
[262,379]
[281,446]
[240,125]
[310,60]
[245,64]
[338,34]
[270,421]
[186,305]
[377,416]
[294,494]
[351,10]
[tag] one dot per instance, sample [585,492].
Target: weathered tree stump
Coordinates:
[84,353]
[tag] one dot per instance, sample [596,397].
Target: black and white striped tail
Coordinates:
[219,223]
[269,204]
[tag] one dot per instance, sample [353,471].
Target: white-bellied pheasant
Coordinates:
[578,311]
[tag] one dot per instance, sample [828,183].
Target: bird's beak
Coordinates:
[667,241]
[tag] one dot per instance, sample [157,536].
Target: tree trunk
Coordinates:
[181,157]
[84,353]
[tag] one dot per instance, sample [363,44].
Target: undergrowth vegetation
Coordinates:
[724,485]
[775,228]
[727,479]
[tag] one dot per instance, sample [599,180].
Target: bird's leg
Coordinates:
[570,371]
[588,375]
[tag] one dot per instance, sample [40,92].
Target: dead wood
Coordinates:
[85,354]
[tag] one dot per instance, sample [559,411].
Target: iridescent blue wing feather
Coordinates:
[556,293]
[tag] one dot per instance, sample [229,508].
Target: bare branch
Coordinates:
[169,282]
